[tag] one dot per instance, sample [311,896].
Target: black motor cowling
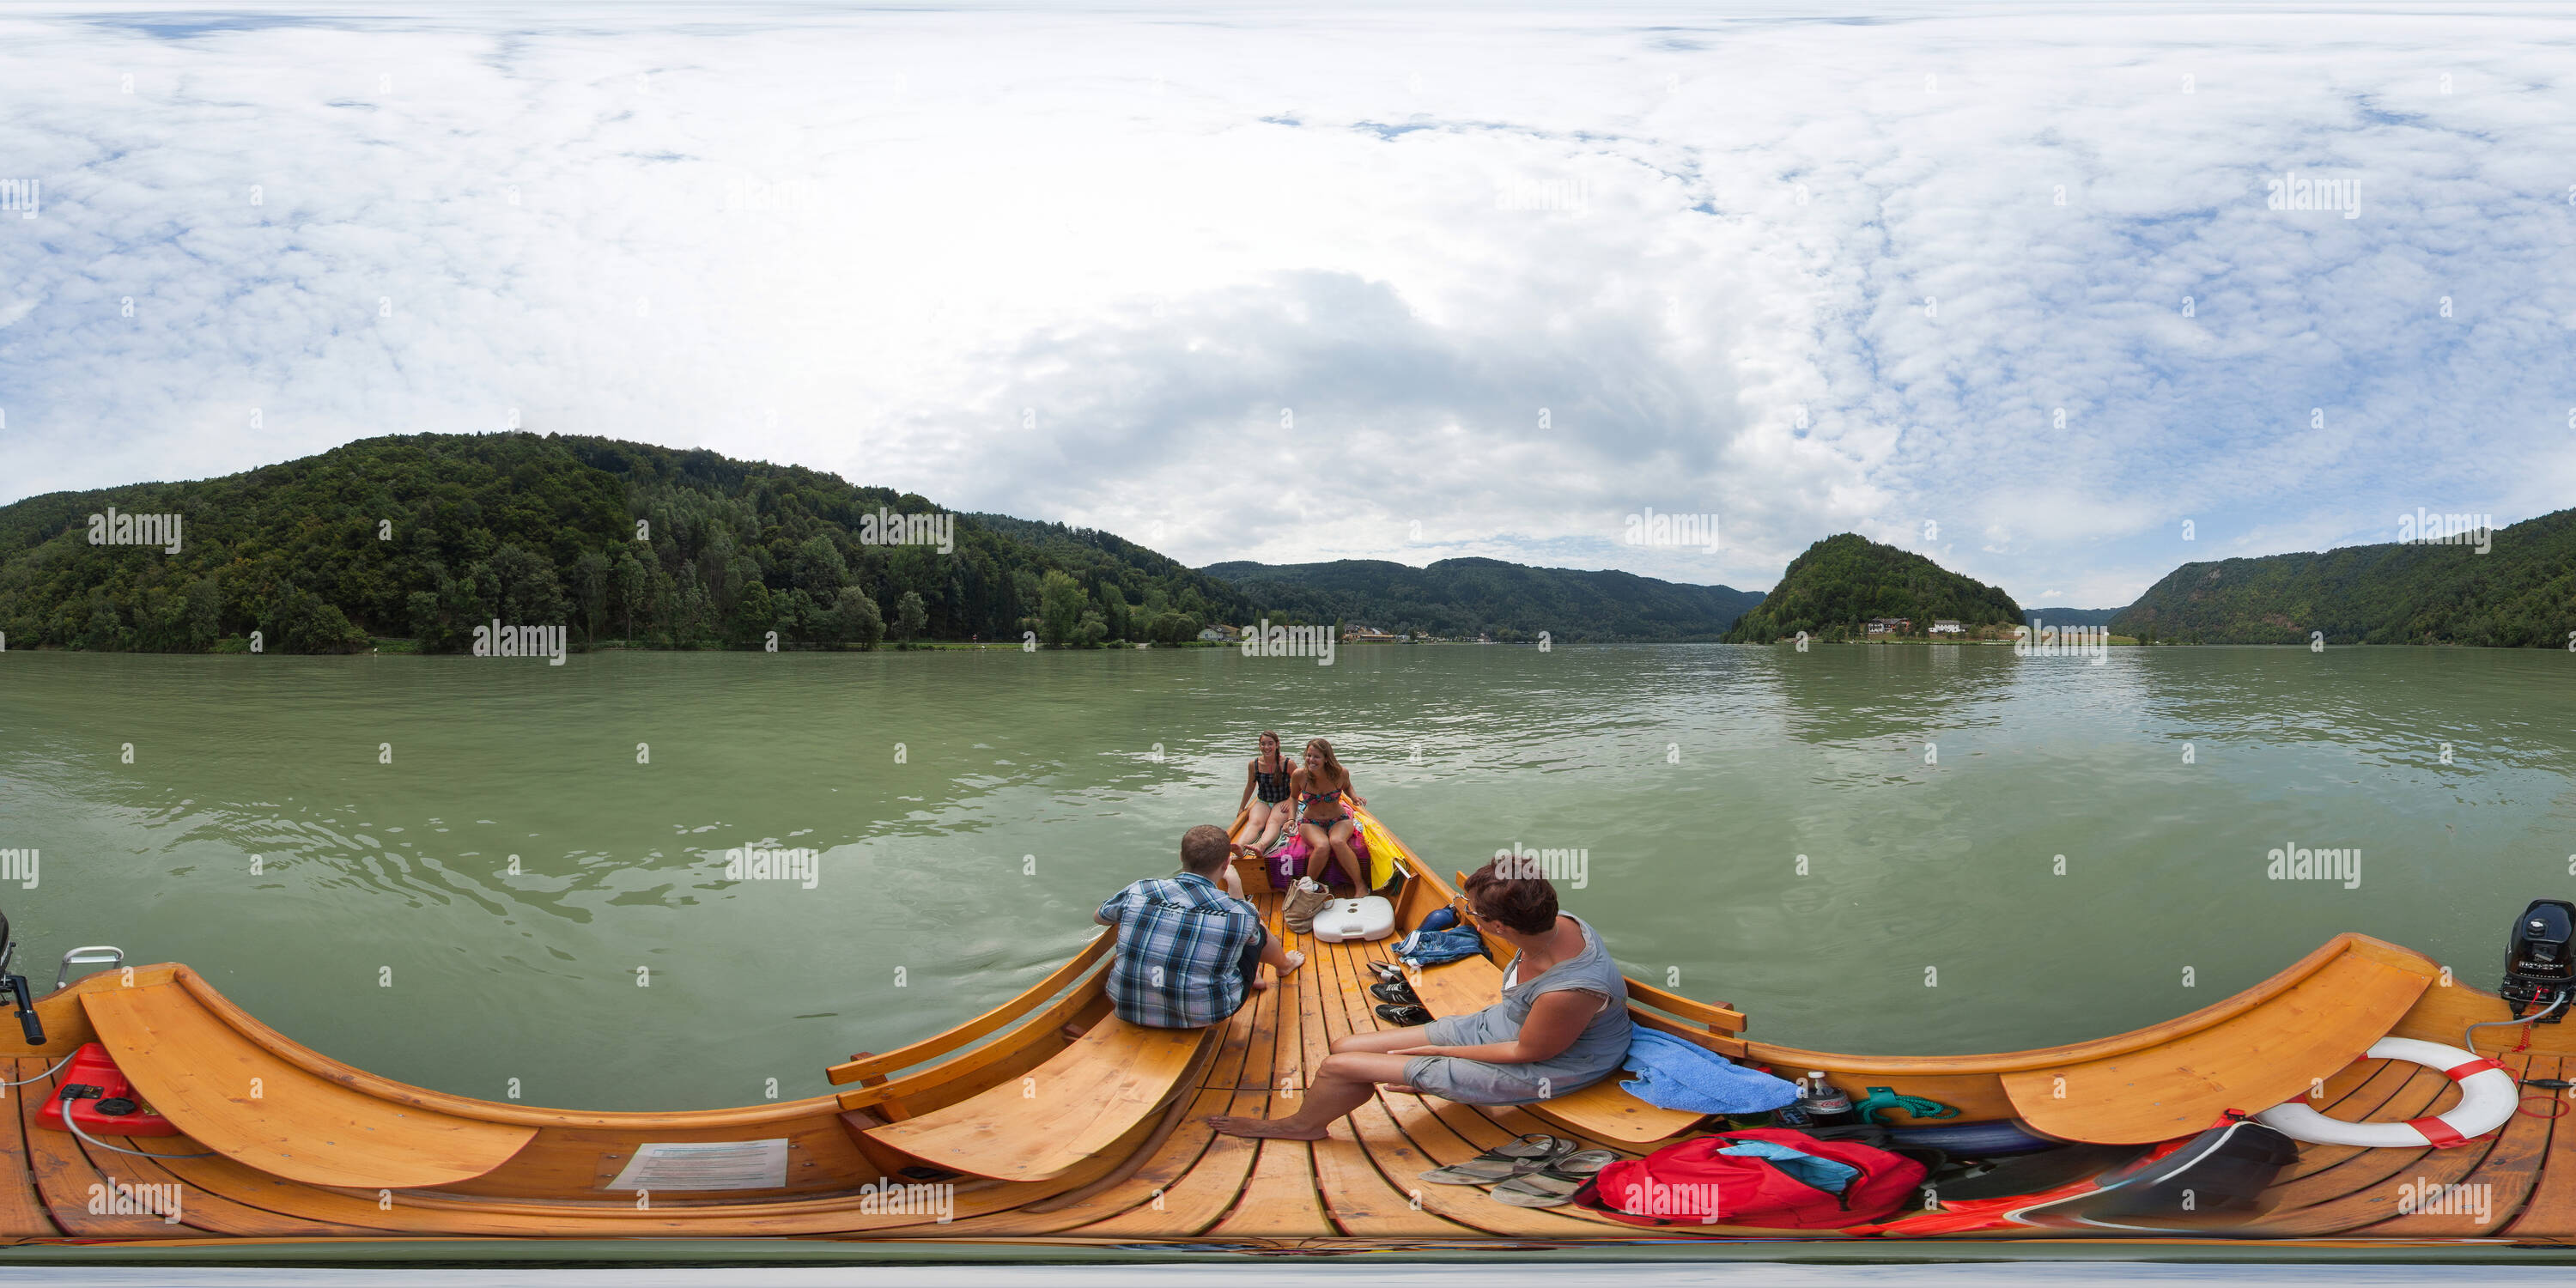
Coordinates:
[2541,965]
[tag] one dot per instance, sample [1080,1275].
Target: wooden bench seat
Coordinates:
[1601,1110]
[1065,1111]
[236,1096]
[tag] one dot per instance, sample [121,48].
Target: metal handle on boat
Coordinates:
[114,958]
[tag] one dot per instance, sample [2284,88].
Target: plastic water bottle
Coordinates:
[1825,1103]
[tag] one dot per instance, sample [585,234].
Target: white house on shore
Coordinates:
[1944,626]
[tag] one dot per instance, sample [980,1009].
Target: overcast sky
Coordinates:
[1316,283]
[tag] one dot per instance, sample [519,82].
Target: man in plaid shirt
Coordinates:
[1188,954]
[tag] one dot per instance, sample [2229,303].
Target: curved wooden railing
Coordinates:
[877,1089]
[2219,1012]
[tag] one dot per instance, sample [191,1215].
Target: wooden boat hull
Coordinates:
[928,1142]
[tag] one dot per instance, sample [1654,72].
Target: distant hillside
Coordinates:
[1460,598]
[2521,594]
[1841,582]
[427,536]
[2074,616]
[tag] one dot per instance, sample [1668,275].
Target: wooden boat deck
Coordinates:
[1168,1177]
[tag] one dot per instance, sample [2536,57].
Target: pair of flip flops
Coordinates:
[1535,1170]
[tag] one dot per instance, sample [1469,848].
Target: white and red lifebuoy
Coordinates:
[2488,1094]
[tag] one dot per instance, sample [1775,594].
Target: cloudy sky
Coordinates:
[1308,283]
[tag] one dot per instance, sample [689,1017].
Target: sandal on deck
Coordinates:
[1518,1157]
[1404,1017]
[1554,1185]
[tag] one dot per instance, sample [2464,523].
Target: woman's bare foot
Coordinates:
[1295,960]
[1266,1128]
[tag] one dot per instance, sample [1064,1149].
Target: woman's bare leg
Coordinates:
[1383,1040]
[1345,856]
[1272,824]
[1343,1082]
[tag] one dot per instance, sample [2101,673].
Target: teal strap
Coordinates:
[1881,1099]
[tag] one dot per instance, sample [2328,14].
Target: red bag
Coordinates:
[1690,1183]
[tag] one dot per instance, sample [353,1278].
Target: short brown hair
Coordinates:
[1204,849]
[1525,904]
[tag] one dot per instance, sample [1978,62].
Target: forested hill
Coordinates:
[2521,593]
[1841,582]
[1460,598]
[426,536]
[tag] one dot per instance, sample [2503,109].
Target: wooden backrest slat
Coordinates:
[1701,1037]
[1717,1015]
[992,1021]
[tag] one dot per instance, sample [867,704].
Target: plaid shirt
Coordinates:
[1179,960]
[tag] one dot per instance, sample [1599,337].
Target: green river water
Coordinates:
[370,909]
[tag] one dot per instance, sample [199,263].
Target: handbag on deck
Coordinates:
[1305,899]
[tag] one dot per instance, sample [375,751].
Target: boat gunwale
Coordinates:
[259,1033]
[2218,1012]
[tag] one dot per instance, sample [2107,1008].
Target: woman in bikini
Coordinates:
[1267,774]
[1322,786]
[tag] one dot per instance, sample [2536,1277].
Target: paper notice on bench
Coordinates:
[706,1165]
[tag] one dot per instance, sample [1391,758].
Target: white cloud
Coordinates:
[866,242]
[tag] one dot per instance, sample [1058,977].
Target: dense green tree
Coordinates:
[910,616]
[590,579]
[1061,606]
[857,621]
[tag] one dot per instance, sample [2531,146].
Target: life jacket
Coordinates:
[1690,1183]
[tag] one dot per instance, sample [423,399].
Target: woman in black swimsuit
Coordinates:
[1267,774]
[1322,786]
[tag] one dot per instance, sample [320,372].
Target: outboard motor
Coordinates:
[2540,968]
[16,986]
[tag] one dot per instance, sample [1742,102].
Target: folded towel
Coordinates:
[1823,1173]
[1432,947]
[1673,1074]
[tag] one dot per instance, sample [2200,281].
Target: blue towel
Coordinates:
[1673,1074]
[1432,947]
[1823,1173]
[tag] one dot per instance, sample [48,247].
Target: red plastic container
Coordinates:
[91,1067]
